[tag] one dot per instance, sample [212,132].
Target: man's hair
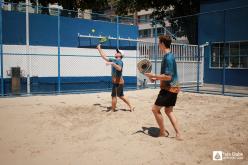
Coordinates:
[166,40]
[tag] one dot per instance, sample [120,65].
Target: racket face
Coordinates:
[144,66]
[102,40]
[148,69]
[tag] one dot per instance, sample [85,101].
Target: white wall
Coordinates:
[74,61]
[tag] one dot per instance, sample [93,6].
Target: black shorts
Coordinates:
[166,98]
[117,90]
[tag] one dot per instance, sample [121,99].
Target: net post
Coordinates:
[117,31]
[1,50]
[59,79]
[198,68]
[137,56]
[156,48]
[224,56]
[28,56]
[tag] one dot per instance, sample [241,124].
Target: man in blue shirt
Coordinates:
[117,79]
[169,85]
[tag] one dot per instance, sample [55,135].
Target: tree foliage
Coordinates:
[167,10]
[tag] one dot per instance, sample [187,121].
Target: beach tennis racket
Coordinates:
[103,40]
[144,66]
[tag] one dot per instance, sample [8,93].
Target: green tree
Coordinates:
[95,5]
[169,9]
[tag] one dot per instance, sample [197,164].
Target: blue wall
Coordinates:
[43,30]
[220,27]
[68,84]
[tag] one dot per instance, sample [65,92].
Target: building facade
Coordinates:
[147,30]
[223,25]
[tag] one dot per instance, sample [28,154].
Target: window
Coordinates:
[144,19]
[160,31]
[235,53]
[244,55]
[224,51]
[215,60]
[145,33]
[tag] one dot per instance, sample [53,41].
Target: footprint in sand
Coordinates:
[12,151]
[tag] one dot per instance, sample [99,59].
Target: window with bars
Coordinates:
[235,53]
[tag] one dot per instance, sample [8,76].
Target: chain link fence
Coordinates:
[187,58]
[53,57]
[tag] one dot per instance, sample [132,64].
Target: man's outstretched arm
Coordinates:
[103,55]
[162,77]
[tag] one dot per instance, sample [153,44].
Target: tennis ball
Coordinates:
[93,30]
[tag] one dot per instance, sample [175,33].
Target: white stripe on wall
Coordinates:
[76,64]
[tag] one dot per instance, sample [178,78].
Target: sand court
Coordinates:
[81,129]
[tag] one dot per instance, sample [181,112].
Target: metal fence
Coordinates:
[211,49]
[30,65]
[189,62]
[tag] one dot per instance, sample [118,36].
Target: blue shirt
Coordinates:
[116,73]
[169,67]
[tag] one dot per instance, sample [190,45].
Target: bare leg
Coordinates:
[173,120]
[159,118]
[127,102]
[114,102]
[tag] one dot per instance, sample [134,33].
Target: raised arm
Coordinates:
[103,55]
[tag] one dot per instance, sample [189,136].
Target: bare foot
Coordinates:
[132,109]
[164,134]
[179,137]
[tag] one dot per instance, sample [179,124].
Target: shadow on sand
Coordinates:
[109,108]
[150,131]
